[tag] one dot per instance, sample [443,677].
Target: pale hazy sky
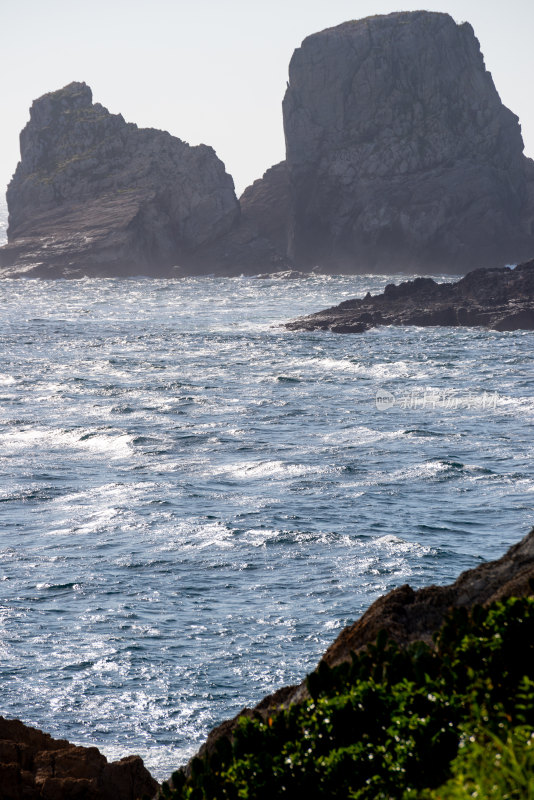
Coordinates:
[214,72]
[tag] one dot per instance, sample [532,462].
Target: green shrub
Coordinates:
[391,723]
[491,767]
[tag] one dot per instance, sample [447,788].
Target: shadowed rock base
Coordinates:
[33,766]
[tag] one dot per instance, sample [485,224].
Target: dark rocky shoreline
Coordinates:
[500,299]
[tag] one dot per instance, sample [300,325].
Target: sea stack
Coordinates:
[96,195]
[400,154]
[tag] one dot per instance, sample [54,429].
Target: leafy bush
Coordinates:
[392,724]
[491,767]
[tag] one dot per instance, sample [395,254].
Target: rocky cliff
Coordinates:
[399,156]
[94,195]
[400,153]
[501,299]
[34,766]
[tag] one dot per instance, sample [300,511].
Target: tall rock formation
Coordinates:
[93,194]
[400,153]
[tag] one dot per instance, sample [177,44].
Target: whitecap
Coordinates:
[276,470]
[115,444]
[359,435]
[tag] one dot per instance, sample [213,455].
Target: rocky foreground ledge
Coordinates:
[501,299]
[33,766]
[406,616]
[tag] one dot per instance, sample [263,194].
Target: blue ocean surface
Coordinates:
[195,500]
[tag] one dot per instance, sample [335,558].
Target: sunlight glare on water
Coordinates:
[195,501]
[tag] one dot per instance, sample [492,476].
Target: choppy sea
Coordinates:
[195,501]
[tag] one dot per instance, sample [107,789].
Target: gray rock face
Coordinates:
[400,153]
[93,194]
[266,204]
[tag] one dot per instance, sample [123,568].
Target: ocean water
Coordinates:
[195,501]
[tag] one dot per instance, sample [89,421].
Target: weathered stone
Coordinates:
[502,299]
[400,153]
[34,766]
[93,194]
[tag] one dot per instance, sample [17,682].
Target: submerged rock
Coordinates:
[284,275]
[34,766]
[400,154]
[502,299]
[95,195]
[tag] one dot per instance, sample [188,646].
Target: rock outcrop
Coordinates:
[400,153]
[501,299]
[399,156]
[408,616]
[95,195]
[34,766]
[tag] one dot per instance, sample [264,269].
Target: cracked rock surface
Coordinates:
[400,154]
[34,766]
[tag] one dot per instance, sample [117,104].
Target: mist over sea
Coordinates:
[3,221]
[196,501]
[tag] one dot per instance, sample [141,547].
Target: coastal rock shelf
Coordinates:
[501,299]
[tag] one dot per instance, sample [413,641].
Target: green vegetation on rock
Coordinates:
[452,721]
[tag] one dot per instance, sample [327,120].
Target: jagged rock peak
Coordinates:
[75,95]
[399,151]
[94,194]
